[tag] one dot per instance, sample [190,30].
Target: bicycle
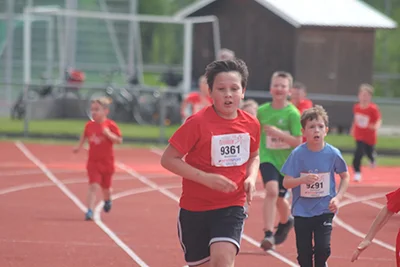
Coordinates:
[73,79]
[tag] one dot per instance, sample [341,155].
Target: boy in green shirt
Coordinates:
[280,133]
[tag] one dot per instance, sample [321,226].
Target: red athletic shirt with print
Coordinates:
[393,205]
[198,102]
[100,146]
[302,106]
[216,145]
[363,118]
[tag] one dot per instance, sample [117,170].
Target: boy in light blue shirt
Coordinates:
[310,171]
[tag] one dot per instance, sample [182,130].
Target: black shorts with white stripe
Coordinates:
[197,230]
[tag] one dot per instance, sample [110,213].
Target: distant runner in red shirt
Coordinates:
[366,122]
[216,153]
[196,100]
[101,133]
[392,206]
[298,98]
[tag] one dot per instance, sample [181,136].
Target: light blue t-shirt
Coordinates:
[313,200]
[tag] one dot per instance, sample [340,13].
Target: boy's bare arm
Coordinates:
[82,140]
[381,219]
[291,182]
[375,126]
[112,136]
[292,141]
[172,161]
[344,184]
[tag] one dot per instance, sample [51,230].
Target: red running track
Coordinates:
[43,198]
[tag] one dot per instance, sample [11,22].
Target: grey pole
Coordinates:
[8,62]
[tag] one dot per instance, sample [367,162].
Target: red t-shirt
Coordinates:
[302,106]
[100,147]
[363,117]
[213,144]
[393,205]
[197,101]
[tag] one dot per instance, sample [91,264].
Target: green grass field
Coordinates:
[75,127]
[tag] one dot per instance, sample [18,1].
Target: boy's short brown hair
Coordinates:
[367,87]
[299,85]
[104,101]
[313,114]
[283,74]
[218,66]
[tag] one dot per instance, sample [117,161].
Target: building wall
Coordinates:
[258,36]
[334,60]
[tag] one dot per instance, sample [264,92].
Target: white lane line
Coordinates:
[78,203]
[354,231]
[176,198]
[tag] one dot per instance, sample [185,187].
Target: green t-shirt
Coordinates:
[274,150]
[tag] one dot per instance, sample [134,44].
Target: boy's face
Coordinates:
[364,96]
[227,92]
[279,88]
[315,131]
[98,111]
[251,109]
[297,95]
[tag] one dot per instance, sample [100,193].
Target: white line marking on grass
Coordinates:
[176,198]
[78,203]
[354,231]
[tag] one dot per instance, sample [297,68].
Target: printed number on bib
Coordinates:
[277,143]
[230,149]
[362,120]
[320,188]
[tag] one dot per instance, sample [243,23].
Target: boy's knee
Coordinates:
[271,191]
[322,254]
[222,254]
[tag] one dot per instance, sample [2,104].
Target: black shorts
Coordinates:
[270,173]
[197,230]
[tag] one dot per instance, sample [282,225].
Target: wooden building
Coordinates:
[328,45]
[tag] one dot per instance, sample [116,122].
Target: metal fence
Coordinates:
[98,47]
[157,106]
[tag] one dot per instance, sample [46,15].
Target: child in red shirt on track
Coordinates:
[101,133]
[216,153]
[298,98]
[366,122]
[392,207]
[197,100]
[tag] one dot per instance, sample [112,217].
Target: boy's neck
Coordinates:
[365,104]
[101,120]
[279,104]
[316,146]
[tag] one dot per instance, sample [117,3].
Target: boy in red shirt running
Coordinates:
[101,133]
[219,145]
[392,207]
[298,98]
[366,122]
[197,100]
